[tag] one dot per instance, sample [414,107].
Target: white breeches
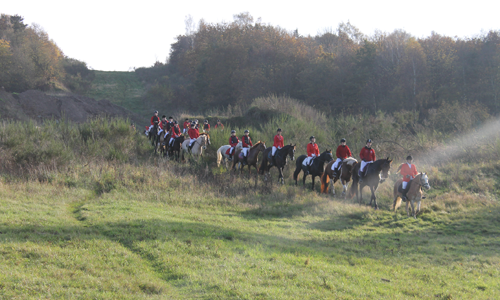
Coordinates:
[171,141]
[336,163]
[184,130]
[363,165]
[191,141]
[231,151]
[165,136]
[245,151]
[308,160]
[161,130]
[405,184]
[273,151]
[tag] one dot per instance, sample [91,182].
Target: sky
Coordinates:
[114,35]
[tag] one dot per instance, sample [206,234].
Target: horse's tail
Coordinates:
[325,179]
[263,164]
[397,203]
[219,156]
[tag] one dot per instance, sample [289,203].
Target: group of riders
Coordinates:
[408,170]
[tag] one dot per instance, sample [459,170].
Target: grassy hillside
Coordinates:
[121,88]
[89,212]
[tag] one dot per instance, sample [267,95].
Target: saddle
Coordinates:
[400,187]
[277,155]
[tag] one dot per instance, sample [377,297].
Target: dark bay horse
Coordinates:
[316,169]
[344,175]
[175,151]
[163,142]
[280,157]
[252,157]
[372,179]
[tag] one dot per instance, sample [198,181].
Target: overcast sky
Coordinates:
[119,35]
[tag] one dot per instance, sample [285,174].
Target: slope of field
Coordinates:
[121,88]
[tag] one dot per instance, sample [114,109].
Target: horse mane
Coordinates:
[350,161]
[256,144]
[204,133]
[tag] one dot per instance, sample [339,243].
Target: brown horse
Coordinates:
[344,175]
[414,194]
[377,172]
[280,158]
[252,157]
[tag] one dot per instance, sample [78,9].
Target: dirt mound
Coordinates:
[38,106]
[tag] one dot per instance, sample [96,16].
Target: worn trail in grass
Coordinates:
[68,242]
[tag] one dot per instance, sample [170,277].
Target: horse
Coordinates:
[175,150]
[371,179]
[316,168]
[153,137]
[280,157]
[163,142]
[221,153]
[414,194]
[344,175]
[199,145]
[252,157]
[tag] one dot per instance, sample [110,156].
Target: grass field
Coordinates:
[175,241]
[121,88]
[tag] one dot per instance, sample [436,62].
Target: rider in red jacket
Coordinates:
[367,156]
[342,153]
[185,126]
[233,141]
[409,171]
[246,143]
[312,152]
[193,135]
[175,132]
[206,126]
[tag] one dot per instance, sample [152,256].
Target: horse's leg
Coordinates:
[418,206]
[312,187]
[332,187]
[413,209]
[360,194]
[374,197]
[407,207]
[304,180]
[281,176]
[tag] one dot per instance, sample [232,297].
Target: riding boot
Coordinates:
[360,175]
[244,162]
[404,197]
[230,158]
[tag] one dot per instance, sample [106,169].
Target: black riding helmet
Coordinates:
[156,112]
[246,131]
[279,129]
[342,140]
[175,121]
[170,117]
[369,141]
[312,137]
[193,124]
[163,116]
[206,121]
[233,131]
[409,157]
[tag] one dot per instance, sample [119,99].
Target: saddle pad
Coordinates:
[227,151]
[241,156]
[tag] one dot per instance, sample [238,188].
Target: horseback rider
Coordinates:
[233,141]
[278,144]
[206,126]
[367,156]
[246,142]
[312,153]
[219,125]
[343,152]
[154,120]
[163,124]
[185,126]
[170,124]
[175,133]
[193,135]
[408,171]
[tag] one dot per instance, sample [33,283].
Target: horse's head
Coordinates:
[208,139]
[291,151]
[326,156]
[424,180]
[386,167]
[261,146]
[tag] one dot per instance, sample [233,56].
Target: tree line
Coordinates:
[29,59]
[338,70]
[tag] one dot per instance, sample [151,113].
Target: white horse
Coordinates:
[199,145]
[221,153]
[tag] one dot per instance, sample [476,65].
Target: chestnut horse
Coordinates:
[344,175]
[414,194]
[252,157]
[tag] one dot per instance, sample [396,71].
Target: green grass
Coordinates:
[172,242]
[121,88]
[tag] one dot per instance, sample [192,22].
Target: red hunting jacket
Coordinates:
[367,154]
[176,132]
[278,141]
[186,124]
[206,127]
[193,133]
[407,170]
[312,149]
[246,141]
[343,152]
[153,119]
[233,141]
[217,126]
